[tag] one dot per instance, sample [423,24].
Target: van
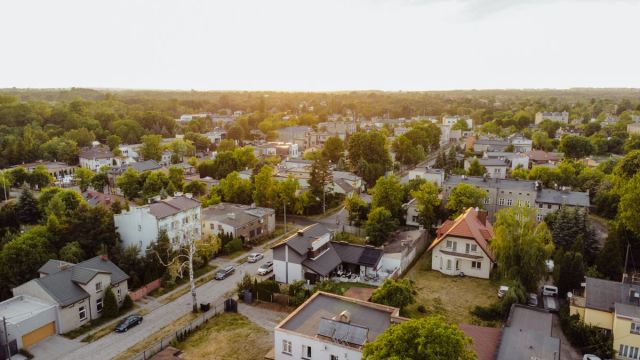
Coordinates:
[549,290]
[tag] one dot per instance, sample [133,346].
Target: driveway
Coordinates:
[114,344]
[54,347]
[567,352]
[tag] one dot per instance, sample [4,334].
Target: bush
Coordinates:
[422,309]
[329,286]
[500,310]
[587,338]
[233,246]
[110,304]
[127,303]
[265,289]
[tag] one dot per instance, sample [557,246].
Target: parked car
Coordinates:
[502,291]
[532,299]
[129,322]
[549,290]
[265,268]
[224,272]
[550,303]
[254,257]
[590,357]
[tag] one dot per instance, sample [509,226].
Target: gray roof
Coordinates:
[95,152]
[307,318]
[571,198]
[507,184]
[500,142]
[53,266]
[301,241]
[491,162]
[242,214]
[325,263]
[528,335]
[172,206]
[142,166]
[607,295]
[63,286]
[342,183]
[358,254]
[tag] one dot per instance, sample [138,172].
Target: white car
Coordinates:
[265,268]
[255,257]
[590,357]
[502,291]
[549,290]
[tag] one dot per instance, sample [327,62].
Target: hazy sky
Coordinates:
[321,44]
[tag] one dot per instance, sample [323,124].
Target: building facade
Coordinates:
[245,222]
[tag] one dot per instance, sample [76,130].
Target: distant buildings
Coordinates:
[295,135]
[496,168]
[245,222]
[451,120]
[95,157]
[562,117]
[540,157]
[484,144]
[424,172]
[179,216]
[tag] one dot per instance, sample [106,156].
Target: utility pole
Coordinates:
[6,336]
[626,259]
[285,216]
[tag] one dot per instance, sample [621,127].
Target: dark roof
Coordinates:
[358,254]
[528,335]
[142,166]
[95,152]
[63,286]
[242,214]
[301,241]
[605,295]
[172,206]
[571,198]
[325,263]
[53,266]
[342,183]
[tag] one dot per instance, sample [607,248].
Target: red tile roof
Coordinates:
[485,340]
[468,225]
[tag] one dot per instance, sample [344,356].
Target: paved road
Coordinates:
[114,344]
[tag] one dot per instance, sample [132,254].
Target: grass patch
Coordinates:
[344,286]
[155,337]
[227,336]
[449,296]
[350,238]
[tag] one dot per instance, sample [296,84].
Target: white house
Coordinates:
[462,245]
[451,120]
[246,222]
[332,327]
[95,157]
[434,175]
[521,144]
[179,216]
[495,168]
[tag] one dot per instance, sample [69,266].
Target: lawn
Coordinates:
[449,296]
[227,336]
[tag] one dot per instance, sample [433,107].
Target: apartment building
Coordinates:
[245,222]
[562,117]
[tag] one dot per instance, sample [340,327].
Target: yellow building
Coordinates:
[614,306]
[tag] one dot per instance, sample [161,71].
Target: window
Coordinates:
[486,201]
[119,293]
[99,305]
[476,265]
[139,227]
[306,352]
[448,264]
[501,201]
[212,226]
[82,312]
[449,244]
[286,347]
[509,202]
[629,352]
[635,328]
[539,217]
[334,357]
[415,218]
[540,206]
[528,203]
[548,206]
[98,286]
[471,248]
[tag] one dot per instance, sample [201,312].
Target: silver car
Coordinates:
[254,257]
[265,268]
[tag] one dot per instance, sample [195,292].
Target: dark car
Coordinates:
[129,322]
[224,272]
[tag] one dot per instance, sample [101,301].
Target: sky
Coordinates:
[320,45]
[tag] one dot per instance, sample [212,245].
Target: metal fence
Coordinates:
[215,309]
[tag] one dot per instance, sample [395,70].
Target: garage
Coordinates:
[38,335]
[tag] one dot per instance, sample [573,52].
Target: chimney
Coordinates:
[482,216]
[344,317]
[104,258]
[300,232]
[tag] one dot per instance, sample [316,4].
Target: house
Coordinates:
[400,131]
[613,306]
[28,321]
[179,216]
[485,340]
[97,198]
[312,256]
[515,160]
[527,335]
[521,144]
[294,135]
[345,182]
[562,117]
[165,158]
[452,120]
[140,166]
[95,157]
[495,168]
[540,157]
[402,249]
[426,172]
[57,169]
[75,291]
[329,326]
[484,144]
[339,129]
[462,245]
[245,222]
[216,136]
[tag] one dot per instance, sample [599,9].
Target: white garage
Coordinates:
[29,320]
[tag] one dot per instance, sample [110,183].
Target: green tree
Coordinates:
[92,227]
[263,194]
[72,252]
[475,169]
[320,178]
[388,193]
[235,189]
[357,209]
[569,272]
[151,147]
[521,246]
[333,149]
[575,146]
[464,196]
[368,155]
[406,152]
[154,183]
[21,257]
[427,203]
[40,177]
[99,181]
[181,149]
[426,338]
[380,223]
[129,183]
[541,141]
[82,136]
[113,141]
[110,304]
[195,187]
[629,207]
[396,293]
[176,177]
[461,124]
[571,230]
[27,210]
[83,177]
[628,166]
[609,261]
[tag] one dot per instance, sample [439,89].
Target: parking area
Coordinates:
[54,347]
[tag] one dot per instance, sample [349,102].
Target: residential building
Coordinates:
[502,193]
[329,326]
[425,172]
[185,118]
[246,222]
[216,136]
[28,321]
[485,340]
[541,157]
[57,169]
[514,159]
[527,335]
[130,152]
[95,157]
[615,307]
[76,292]
[451,120]
[179,216]
[495,168]
[484,144]
[339,129]
[294,135]
[402,249]
[562,117]
[140,166]
[521,144]
[97,198]
[633,129]
[311,255]
[462,245]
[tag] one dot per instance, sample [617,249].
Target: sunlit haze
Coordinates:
[320,45]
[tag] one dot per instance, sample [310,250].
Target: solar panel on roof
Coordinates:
[343,332]
[369,257]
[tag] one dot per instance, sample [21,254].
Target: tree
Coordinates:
[83,177]
[406,152]
[541,141]
[521,246]
[82,136]
[396,293]
[427,203]
[235,189]
[425,338]
[575,146]
[388,193]
[320,177]
[461,124]
[99,181]
[629,207]
[569,271]
[181,149]
[40,177]
[609,261]
[195,187]
[21,257]
[27,209]
[151,148]
[110,304]
[176,177]
[571,230]
[113,141]
[235,132]
[475,169]
[380,223]
[464,196]
[333,149]
[92,227]
[72,252]
[368,155]
[154,183]
[629,165]
[357,209]
[129,183]
[263,194]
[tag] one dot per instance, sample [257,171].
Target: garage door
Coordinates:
[38,335]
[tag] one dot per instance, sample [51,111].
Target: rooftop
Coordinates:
[508,184]
[471,224]
[572,198]
[21,307]
[95,152]
[607,295]
[485,340]
[236,215]
[171,206]
[527,335]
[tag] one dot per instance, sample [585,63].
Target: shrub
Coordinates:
[585,337]
[422,309]
[329,286]
[233,246]
[127,303]
[110,304]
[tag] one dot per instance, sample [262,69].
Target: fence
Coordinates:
[159,345]
[144,290]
